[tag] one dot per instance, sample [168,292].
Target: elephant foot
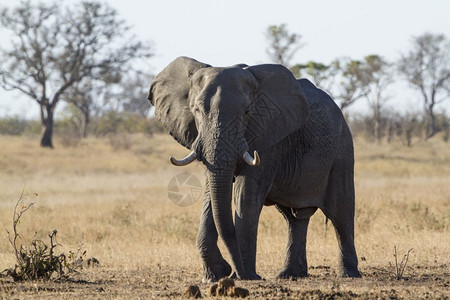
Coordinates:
[213,273]
[291,274]
[353,273]
[250,276]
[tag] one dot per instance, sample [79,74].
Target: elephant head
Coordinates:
[222,114]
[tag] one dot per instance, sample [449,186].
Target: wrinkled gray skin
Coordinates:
[305,149]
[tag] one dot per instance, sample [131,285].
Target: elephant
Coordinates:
[265,138]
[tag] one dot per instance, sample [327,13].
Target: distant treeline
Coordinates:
[398,127]
[403,128]
[110,123]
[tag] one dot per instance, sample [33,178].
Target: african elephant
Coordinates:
[302,158]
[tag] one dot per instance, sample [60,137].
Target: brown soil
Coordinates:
[430,282]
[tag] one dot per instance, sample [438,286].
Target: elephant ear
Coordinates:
[169,93]
[278,109]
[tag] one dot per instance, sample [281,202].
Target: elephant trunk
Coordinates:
[221,194]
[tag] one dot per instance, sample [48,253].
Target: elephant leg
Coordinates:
[295,264]
[214,265]
[348,260]
[248,204]
[340,209]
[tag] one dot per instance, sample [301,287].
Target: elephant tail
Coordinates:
[325,223]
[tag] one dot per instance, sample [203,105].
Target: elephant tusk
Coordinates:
[250,160]
[184,161]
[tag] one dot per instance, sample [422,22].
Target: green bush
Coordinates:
[34,127]
[14,125]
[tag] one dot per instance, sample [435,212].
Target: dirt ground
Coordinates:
[432,282]
[113,203]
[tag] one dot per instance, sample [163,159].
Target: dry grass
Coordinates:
[114,202]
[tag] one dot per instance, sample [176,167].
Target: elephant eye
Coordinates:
[246,111]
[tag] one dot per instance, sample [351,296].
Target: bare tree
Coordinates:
[53,48]
[282,44]
[376,76]
[115,93]
[133,94]
[90,96]
[85,96]
[427,69]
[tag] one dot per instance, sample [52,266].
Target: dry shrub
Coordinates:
[39,259]
[399,266]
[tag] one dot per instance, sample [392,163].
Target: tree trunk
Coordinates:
[46,140]
[390,132]
[82,127]
[432,130]
[377,125]
[377,130]
[85,122]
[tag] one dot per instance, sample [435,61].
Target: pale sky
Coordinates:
[223,33]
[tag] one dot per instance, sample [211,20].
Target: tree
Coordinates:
[352,85]
[133,93]
[376,76]
[282,44]
[427,69]
[90,96]
[52,49]
[119,93]
[83,96]
[323,76]
[343,79]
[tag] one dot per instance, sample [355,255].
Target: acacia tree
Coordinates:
[54,48]
[352,85]
[282,44]
[323,76]
[427,69]
[343,79]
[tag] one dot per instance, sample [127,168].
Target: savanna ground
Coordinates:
[110,199]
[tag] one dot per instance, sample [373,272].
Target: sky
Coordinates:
[223,33]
